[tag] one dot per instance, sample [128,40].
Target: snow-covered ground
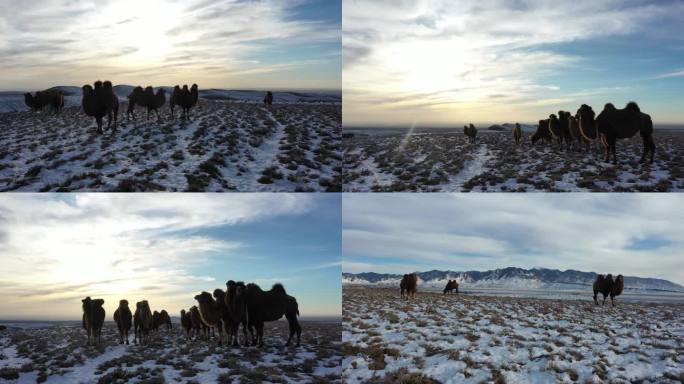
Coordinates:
[57,354]
[472,339]
[435,161]
[227,146]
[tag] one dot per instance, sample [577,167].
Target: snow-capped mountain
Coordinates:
[510,278]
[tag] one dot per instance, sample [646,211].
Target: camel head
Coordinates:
[204,297]
[123,303]
[97,302]
[277,287]
[633,106]
[182,312]
[195,87]
[107,85]
[219,294]
[86,302]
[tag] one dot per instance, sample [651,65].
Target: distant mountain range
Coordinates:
[509,127]
[509,278]
[14,101]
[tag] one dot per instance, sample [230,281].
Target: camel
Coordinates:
[271,305]
[471,132]
[153,101]
[606,286]
[185,98]
[564,129]
[517,133]
[175,99]
[543,133]
[235,302]
[123,318]
[93,319]
[226,320]
[55,99]
[268,99]
[100,101]
[577,138]
[165,319]
[210,313]
[587,126]
[451,286]
[155,320]
[196,321]
[186,323]
[142,321]
[136,97]
[409,283]
[624,123]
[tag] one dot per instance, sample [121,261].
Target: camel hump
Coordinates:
[609,107]
[633,106]
[277,287]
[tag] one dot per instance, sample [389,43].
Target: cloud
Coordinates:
[127,41]
[57,247]
[462,52]
[636,234]
[679,73]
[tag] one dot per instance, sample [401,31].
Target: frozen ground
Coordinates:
[57,354]
[434,161]
[474,339]
[227,146]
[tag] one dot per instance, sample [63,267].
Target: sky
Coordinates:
[630,234]
[268,44]
[55,249]
[446,63]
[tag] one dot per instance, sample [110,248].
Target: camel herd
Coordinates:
[224,311]
[99,100]
[585,129]
[603,284]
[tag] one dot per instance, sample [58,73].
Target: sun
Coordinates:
[143,26]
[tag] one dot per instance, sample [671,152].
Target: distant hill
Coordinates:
[510,278]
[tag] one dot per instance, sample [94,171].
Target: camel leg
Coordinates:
[294,328]
[595,300]
[613,148]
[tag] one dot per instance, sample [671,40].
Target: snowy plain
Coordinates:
[377,160]
[56,353]
[228,144]
[469,338]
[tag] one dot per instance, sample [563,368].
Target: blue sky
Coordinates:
[444,63]
[165,248]
[636,234]
[283,44]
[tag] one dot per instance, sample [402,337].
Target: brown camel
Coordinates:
[578,141]
[100,101]
[93,318]
[175,99]
[268,99]
[226,321]
[135,98]
[607,287]
[186,323]
[165,319]
[186,99]
[155,320]
[623,124]
[517,133]
[55,99]
[153,101]
[123,318]
[142,321]
[471,132]
[587,126]
[235,301]
[451,286]
[542,132]
[196,321]
[271,305]
[210,313]
[409,284]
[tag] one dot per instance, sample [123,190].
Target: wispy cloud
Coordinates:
[446,59]
[636,234]
[670,74]
[128,41]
